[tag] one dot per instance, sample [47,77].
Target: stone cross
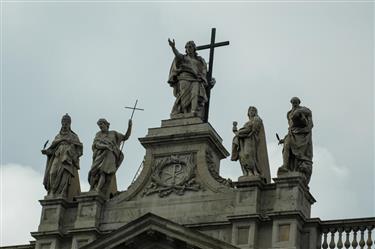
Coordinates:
[134,108]
[131,117]
[210,46]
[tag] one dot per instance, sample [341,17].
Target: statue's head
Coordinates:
[66,121]
[295,101]
[252,111]
[103,124]
[191,48]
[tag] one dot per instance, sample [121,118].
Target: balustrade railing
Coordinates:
[350,233]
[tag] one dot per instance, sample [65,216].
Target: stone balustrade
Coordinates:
[350,233]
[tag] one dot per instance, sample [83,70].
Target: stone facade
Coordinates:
[179,200]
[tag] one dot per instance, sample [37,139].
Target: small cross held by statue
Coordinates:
[134,108]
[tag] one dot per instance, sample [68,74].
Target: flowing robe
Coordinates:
[298,148]
[107,156]
[249,147]
[187,76]
[61,174]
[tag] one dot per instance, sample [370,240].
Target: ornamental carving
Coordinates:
[173,174]
[211,168]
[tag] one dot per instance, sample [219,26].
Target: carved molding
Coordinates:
[173,174]
[214,173]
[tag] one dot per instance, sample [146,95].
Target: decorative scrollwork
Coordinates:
[173,174]
[211,168]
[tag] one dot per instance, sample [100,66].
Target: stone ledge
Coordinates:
[249,181]
[91,196]
[58,201]
[181,121]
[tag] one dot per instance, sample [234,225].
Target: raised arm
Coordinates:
[129,131]
[172,44]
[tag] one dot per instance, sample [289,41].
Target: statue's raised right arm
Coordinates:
[172,44]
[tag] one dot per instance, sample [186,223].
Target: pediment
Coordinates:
[153,232]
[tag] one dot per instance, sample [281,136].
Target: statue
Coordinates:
[61,175]
[188,77]
[249,147]
[107,158]
[298,148]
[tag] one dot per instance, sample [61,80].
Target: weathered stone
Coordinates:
[250,148]
[107,158]
[188,77]
[61,177]
[298,148]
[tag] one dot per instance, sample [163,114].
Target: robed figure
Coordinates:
[298,148]
[188,77]
[61,175]
[107,158]
[249,147]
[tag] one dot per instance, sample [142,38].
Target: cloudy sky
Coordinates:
[90,59]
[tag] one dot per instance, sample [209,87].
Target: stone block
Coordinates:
[89,210]
[244,233]
[292,194]
[53,211]
[52,243]
[286,233]
[80,240]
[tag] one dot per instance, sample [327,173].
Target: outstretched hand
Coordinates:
[171,43]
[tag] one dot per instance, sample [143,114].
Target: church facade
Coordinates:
[179,200]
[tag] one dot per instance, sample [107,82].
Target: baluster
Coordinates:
[362,242]
[354,242]
[369,239]
[332,244]
[325,243]
[339,242]
[347,242]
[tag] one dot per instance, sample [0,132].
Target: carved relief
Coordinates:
[213,171]
[173,174]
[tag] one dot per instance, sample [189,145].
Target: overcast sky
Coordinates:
[91,59]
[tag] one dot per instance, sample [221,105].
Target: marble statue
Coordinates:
[61,175]
[298,148]
[188,77]
[249,147]
[107,158]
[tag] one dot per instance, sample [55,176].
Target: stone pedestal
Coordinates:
[291,210]
[292,194]
[86,226]
[51,227]
[89,208]
[53,211]
[182,156]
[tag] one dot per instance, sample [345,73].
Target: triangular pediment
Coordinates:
[153,232]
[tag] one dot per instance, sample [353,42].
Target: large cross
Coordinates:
[210,46]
